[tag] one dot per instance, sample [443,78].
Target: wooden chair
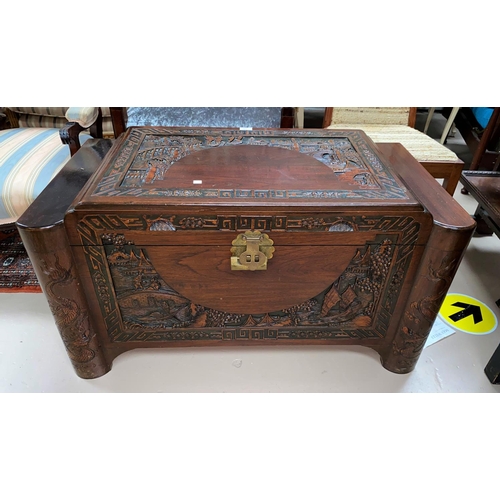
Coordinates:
[483,142]
[397,125]
[449,123]
[36,145]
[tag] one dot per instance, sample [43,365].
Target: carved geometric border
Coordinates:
[91,226]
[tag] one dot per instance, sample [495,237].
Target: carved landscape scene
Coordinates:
[157,154]
[149,154]
[147,302]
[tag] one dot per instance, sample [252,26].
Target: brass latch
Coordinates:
[251,251]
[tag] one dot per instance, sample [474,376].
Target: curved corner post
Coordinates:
[50,253]
[440,262]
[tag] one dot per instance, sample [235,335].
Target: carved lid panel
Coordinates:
[259,167]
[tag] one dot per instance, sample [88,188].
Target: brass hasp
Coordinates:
[251,251]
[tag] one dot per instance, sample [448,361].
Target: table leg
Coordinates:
[492,369]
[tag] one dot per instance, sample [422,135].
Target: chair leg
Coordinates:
[448,125]
[287,117]
[450,172]
[450,183]
[119,120]
[429,118]
[299,117]
[96,128]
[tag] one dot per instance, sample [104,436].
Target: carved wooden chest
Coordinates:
[187,237]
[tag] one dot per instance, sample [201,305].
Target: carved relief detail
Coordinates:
[147,155]
[71,320]
[91,226]
[311,223]
[191,223]
[149,309]
[115,239]
[418,320]
[342,309]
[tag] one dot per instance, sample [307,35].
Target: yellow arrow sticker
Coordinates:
[468,314]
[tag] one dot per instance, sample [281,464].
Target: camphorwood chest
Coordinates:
[200,237]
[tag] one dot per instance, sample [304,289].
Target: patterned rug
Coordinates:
[16,271]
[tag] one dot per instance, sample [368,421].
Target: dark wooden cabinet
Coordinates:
[200,237]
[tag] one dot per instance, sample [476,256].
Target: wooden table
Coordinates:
[484,186]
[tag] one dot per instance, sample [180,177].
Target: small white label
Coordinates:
[246,128]
[439,331]
[197,182]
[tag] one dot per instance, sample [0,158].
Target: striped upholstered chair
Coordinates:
[37,145]
[397,125]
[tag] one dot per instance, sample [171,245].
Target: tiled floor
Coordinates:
[33,359]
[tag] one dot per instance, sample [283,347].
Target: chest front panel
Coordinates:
[163,277]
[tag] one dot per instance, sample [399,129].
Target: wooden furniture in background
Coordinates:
[484,143]
[299,117]
[218,117]
[397,125]
[492,369]
[448,125]
[484,186]
[37,144]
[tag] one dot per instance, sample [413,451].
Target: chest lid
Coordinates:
[223,167]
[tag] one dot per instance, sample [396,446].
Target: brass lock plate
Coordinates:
[251,251]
